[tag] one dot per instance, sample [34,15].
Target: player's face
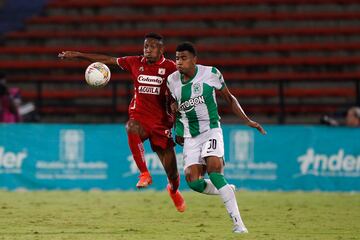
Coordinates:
[185,62]
[153,50]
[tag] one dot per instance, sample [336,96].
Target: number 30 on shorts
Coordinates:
[212,144]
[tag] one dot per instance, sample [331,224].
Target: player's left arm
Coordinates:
[237,109]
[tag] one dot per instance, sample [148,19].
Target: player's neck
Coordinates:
[155,60]
[152,62]
[186,77]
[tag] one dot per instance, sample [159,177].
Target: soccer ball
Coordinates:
[97,74]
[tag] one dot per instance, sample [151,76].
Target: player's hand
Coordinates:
[256,125]
[68,54]
[179,140]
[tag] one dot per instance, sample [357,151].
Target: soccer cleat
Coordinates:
[177,198]
[240,230]
[145,180]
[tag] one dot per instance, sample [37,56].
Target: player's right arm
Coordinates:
[108,60]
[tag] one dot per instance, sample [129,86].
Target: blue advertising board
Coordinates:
[46,156]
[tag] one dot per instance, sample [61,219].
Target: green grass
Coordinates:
[151,215]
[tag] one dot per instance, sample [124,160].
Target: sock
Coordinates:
[204,186]
[197,185]
[174,183]
[138,152]
[210,189]
[228,196]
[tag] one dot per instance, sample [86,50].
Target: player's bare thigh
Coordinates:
[214,164]
[135,127]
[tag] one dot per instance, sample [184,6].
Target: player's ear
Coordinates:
[195,59]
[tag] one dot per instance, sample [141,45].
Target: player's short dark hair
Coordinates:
[155,36]
[186,46]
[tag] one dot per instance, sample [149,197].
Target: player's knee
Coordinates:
[132,127]
[197,185]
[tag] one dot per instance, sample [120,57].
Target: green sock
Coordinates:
[197,185]
[217,179]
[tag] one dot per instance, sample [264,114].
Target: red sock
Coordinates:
[138,152]
[174,184]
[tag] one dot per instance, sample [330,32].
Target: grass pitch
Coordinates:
[151,215]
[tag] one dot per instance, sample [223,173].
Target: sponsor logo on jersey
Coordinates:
[191,103]
[152,80]
[149,90]
[161,71]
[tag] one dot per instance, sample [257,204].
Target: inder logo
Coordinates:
[11,162]
[334,165]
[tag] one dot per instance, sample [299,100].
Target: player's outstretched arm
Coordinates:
[89,56]
[237,109]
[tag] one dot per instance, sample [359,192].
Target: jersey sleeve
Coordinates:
[125,62]
[217,80]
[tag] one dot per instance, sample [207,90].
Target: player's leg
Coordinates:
[163,144]
[194,175]
[192,156]
[213,153]
[168,159]
[200,184]
[136,134]
[215,169]
[195,167]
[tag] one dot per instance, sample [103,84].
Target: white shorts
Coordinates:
[209,143]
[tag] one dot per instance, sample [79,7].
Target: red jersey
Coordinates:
[151,96]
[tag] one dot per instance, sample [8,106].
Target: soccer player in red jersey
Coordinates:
[149,117]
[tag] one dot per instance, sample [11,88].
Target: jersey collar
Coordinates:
[182,76]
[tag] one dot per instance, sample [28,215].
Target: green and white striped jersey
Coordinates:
[197,107]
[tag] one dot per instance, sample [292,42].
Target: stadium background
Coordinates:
[289,62]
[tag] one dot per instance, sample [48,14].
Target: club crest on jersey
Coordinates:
[141,69]
[197,89]
[161,71]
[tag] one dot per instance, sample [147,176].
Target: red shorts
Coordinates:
[158,134]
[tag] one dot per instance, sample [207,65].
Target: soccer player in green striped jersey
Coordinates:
[198,123]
